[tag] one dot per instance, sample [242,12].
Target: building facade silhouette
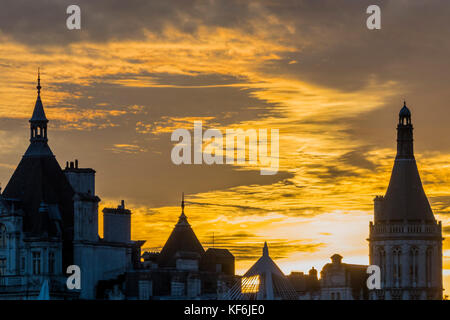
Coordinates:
[49,221]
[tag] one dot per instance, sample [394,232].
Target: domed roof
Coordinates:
[404,112]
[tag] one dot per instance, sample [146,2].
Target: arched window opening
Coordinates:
[429,265]
[2,236]
[396,258]
[382,261]
[414,268]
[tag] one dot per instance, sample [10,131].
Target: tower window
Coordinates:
[382,262]
[51,262]
[22,265]
[2,266]
[429,265]
[396,258]
[36,262]
[414,266]
[2,236]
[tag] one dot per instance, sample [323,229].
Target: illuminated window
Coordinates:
[250,284]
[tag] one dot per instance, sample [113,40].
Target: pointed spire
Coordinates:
[265,250]
[405,197]
[182,203]
[182,220]
[39,82]
[38,112]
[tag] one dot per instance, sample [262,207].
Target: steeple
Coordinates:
[405,199]
[182,220]
[38,121]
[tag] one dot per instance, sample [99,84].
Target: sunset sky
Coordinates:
[115,90]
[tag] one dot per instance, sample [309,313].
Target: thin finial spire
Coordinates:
[39,81]
[182,203]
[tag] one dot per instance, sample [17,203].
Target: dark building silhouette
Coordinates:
[49,221]
[307,286]
[182,245]
[183,269]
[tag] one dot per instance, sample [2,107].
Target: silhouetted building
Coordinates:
[183,269]
[49,221]
[405,240]
[343,281]
[218,260]
[307,286]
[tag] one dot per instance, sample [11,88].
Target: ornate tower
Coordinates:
[38,121]
[405,240]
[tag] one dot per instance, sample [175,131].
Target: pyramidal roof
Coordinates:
[405,197]
[263,281]
[182,241]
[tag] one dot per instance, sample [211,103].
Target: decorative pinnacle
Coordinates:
[39,82]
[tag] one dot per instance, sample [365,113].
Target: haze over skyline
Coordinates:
[116,89]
